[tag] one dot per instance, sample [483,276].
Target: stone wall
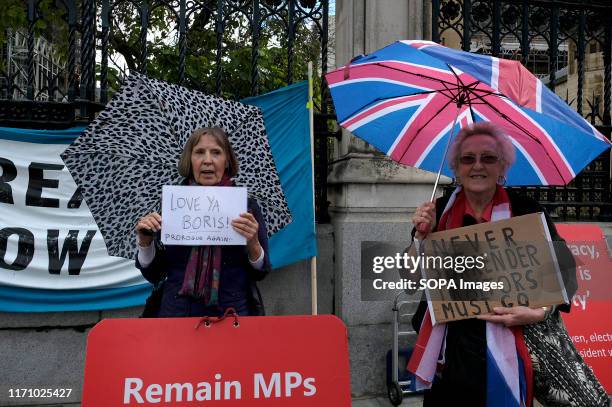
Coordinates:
[372,198]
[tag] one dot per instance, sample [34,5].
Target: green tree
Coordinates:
[162,43]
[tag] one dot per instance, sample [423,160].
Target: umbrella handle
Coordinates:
[423,228]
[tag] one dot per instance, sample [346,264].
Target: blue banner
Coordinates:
[288,127]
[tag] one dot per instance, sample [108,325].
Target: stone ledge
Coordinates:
[131,312]
[48,319]
[360,168]
[379,196]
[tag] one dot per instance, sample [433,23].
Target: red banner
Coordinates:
[589,323]
[256,361]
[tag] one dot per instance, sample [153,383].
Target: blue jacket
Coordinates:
[237,281]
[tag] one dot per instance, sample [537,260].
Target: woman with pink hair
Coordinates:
[480,157]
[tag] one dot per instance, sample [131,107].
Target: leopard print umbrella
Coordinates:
[132,149]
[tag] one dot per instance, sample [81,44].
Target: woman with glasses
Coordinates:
[480,157]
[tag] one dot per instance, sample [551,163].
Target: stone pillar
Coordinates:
[372,198]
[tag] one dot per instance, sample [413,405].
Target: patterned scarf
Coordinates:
[203,271]
[509,373]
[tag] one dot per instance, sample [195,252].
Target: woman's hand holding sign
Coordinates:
[146,228]
[248,227]
[513,316]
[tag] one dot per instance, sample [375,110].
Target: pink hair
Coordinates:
[505,148]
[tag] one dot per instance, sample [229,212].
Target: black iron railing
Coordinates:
[564,43]
[89,32]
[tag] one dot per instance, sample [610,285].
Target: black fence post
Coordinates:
[255,23]
[554,47]
[219,29]
[182,42]
[88,49]
[607,54]
[290,41]
[144,27]
[467,26]
[72,50]
[31,22]
[104,63]
[435,15]
[525,32]
[496,43]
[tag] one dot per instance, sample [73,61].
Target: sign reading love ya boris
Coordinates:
[198,216]
[293,361]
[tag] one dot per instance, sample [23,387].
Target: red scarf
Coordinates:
[453,218]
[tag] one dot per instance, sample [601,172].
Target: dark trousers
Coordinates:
[463,380]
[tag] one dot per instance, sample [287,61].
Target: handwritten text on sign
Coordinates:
[196,216]
[517,254]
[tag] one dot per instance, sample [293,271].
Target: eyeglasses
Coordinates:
[484,159]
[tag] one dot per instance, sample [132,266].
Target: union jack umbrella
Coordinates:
[406,98]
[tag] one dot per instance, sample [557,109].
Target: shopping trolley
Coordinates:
[400,382]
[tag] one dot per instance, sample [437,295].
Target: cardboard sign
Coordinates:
[200,216]
[263,361]
[471,270]
[589,323]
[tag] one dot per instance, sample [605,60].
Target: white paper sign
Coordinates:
[200,216]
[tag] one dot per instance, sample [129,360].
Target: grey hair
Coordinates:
[505,148]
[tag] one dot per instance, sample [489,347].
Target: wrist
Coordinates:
[143,241]
[253,244]
[254,250]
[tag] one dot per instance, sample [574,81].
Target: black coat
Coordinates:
[237,287]
[463,379]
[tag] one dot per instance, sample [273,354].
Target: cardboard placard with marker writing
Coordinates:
[471,270]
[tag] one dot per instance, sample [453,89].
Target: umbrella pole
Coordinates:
[313,260]
[450,138]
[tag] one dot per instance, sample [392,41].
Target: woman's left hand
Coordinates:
[248,227]
[514,316]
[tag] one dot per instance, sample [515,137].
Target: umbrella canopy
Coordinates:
[132,149]
[405,98]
